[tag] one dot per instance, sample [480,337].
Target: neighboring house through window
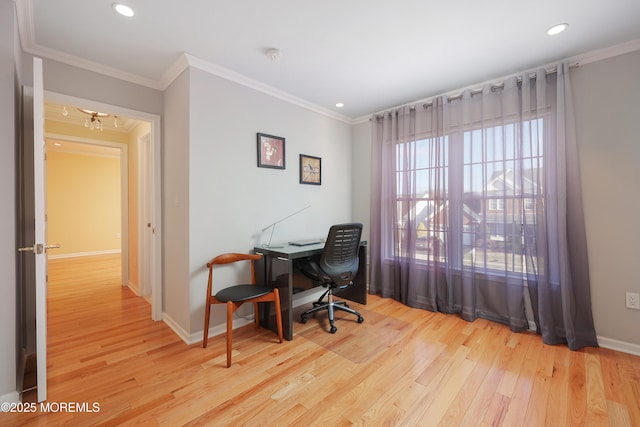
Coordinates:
[475,202]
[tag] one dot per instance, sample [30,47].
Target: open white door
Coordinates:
[35,218]
[40,246]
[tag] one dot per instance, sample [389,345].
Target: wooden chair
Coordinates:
[236,295]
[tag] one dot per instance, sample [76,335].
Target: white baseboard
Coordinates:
[184,336]
[81,254]
[197,337]
[625,347]
[12,397]
[134,288]
[300,299]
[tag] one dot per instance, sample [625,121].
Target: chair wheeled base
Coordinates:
[331,306]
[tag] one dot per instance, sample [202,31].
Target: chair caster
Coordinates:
[360,319]
[303,319]
[333,329]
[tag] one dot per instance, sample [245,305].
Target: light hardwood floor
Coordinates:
[401,367]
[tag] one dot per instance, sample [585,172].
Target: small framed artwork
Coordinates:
[310,170]
[270,151]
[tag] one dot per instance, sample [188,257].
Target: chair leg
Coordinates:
[331,306]
[230,310]
[333,328]
[317,307]
[207,314]
[336,306]
[320,300]
[256,314]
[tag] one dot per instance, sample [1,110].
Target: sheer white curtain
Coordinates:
[476,201]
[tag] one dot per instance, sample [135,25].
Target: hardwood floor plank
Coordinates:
[401,367]
[596,400]
[484,354]
[517,410]
[481,405]
[536,413]
[618,416]
[497,410]
[556,399]
[577,397]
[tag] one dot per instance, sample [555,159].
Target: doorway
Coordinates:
[154,183]
[87,194]
[136,136]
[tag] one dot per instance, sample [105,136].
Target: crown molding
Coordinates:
[174,71]
[26,31]
[575,61]
[605,53]
[243,80]
[187,60]
[85,64]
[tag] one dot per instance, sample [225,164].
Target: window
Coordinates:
[528,204]
[421,169]
[496,204]
[471,194]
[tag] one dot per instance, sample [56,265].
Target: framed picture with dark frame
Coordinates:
[310,170]
[270,151]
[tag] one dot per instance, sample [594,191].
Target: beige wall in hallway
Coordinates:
[131,140]
[134,185]
[83,202]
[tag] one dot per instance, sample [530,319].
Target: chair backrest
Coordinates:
[230,258]
[339,260]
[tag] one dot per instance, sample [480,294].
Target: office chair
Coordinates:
[336,269]
[236,295]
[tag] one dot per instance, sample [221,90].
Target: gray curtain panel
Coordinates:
[477,208]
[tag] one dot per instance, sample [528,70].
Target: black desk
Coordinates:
[279,268]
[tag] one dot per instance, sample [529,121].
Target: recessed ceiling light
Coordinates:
[123,10]
[339,105]
[557,29]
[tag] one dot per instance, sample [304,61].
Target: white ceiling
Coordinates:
[368,54]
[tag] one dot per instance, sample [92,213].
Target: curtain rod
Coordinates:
[532,75]
[495,86]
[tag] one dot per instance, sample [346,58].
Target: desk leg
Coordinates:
[277,272]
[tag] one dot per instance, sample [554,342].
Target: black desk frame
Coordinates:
[278,268]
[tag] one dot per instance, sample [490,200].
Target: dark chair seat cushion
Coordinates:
[242,292]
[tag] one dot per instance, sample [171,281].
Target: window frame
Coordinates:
[457,260]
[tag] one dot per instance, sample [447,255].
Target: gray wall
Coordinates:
[69,80]
[175,213]
[606,95]
[231,199]
[8,94]
[361,136]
